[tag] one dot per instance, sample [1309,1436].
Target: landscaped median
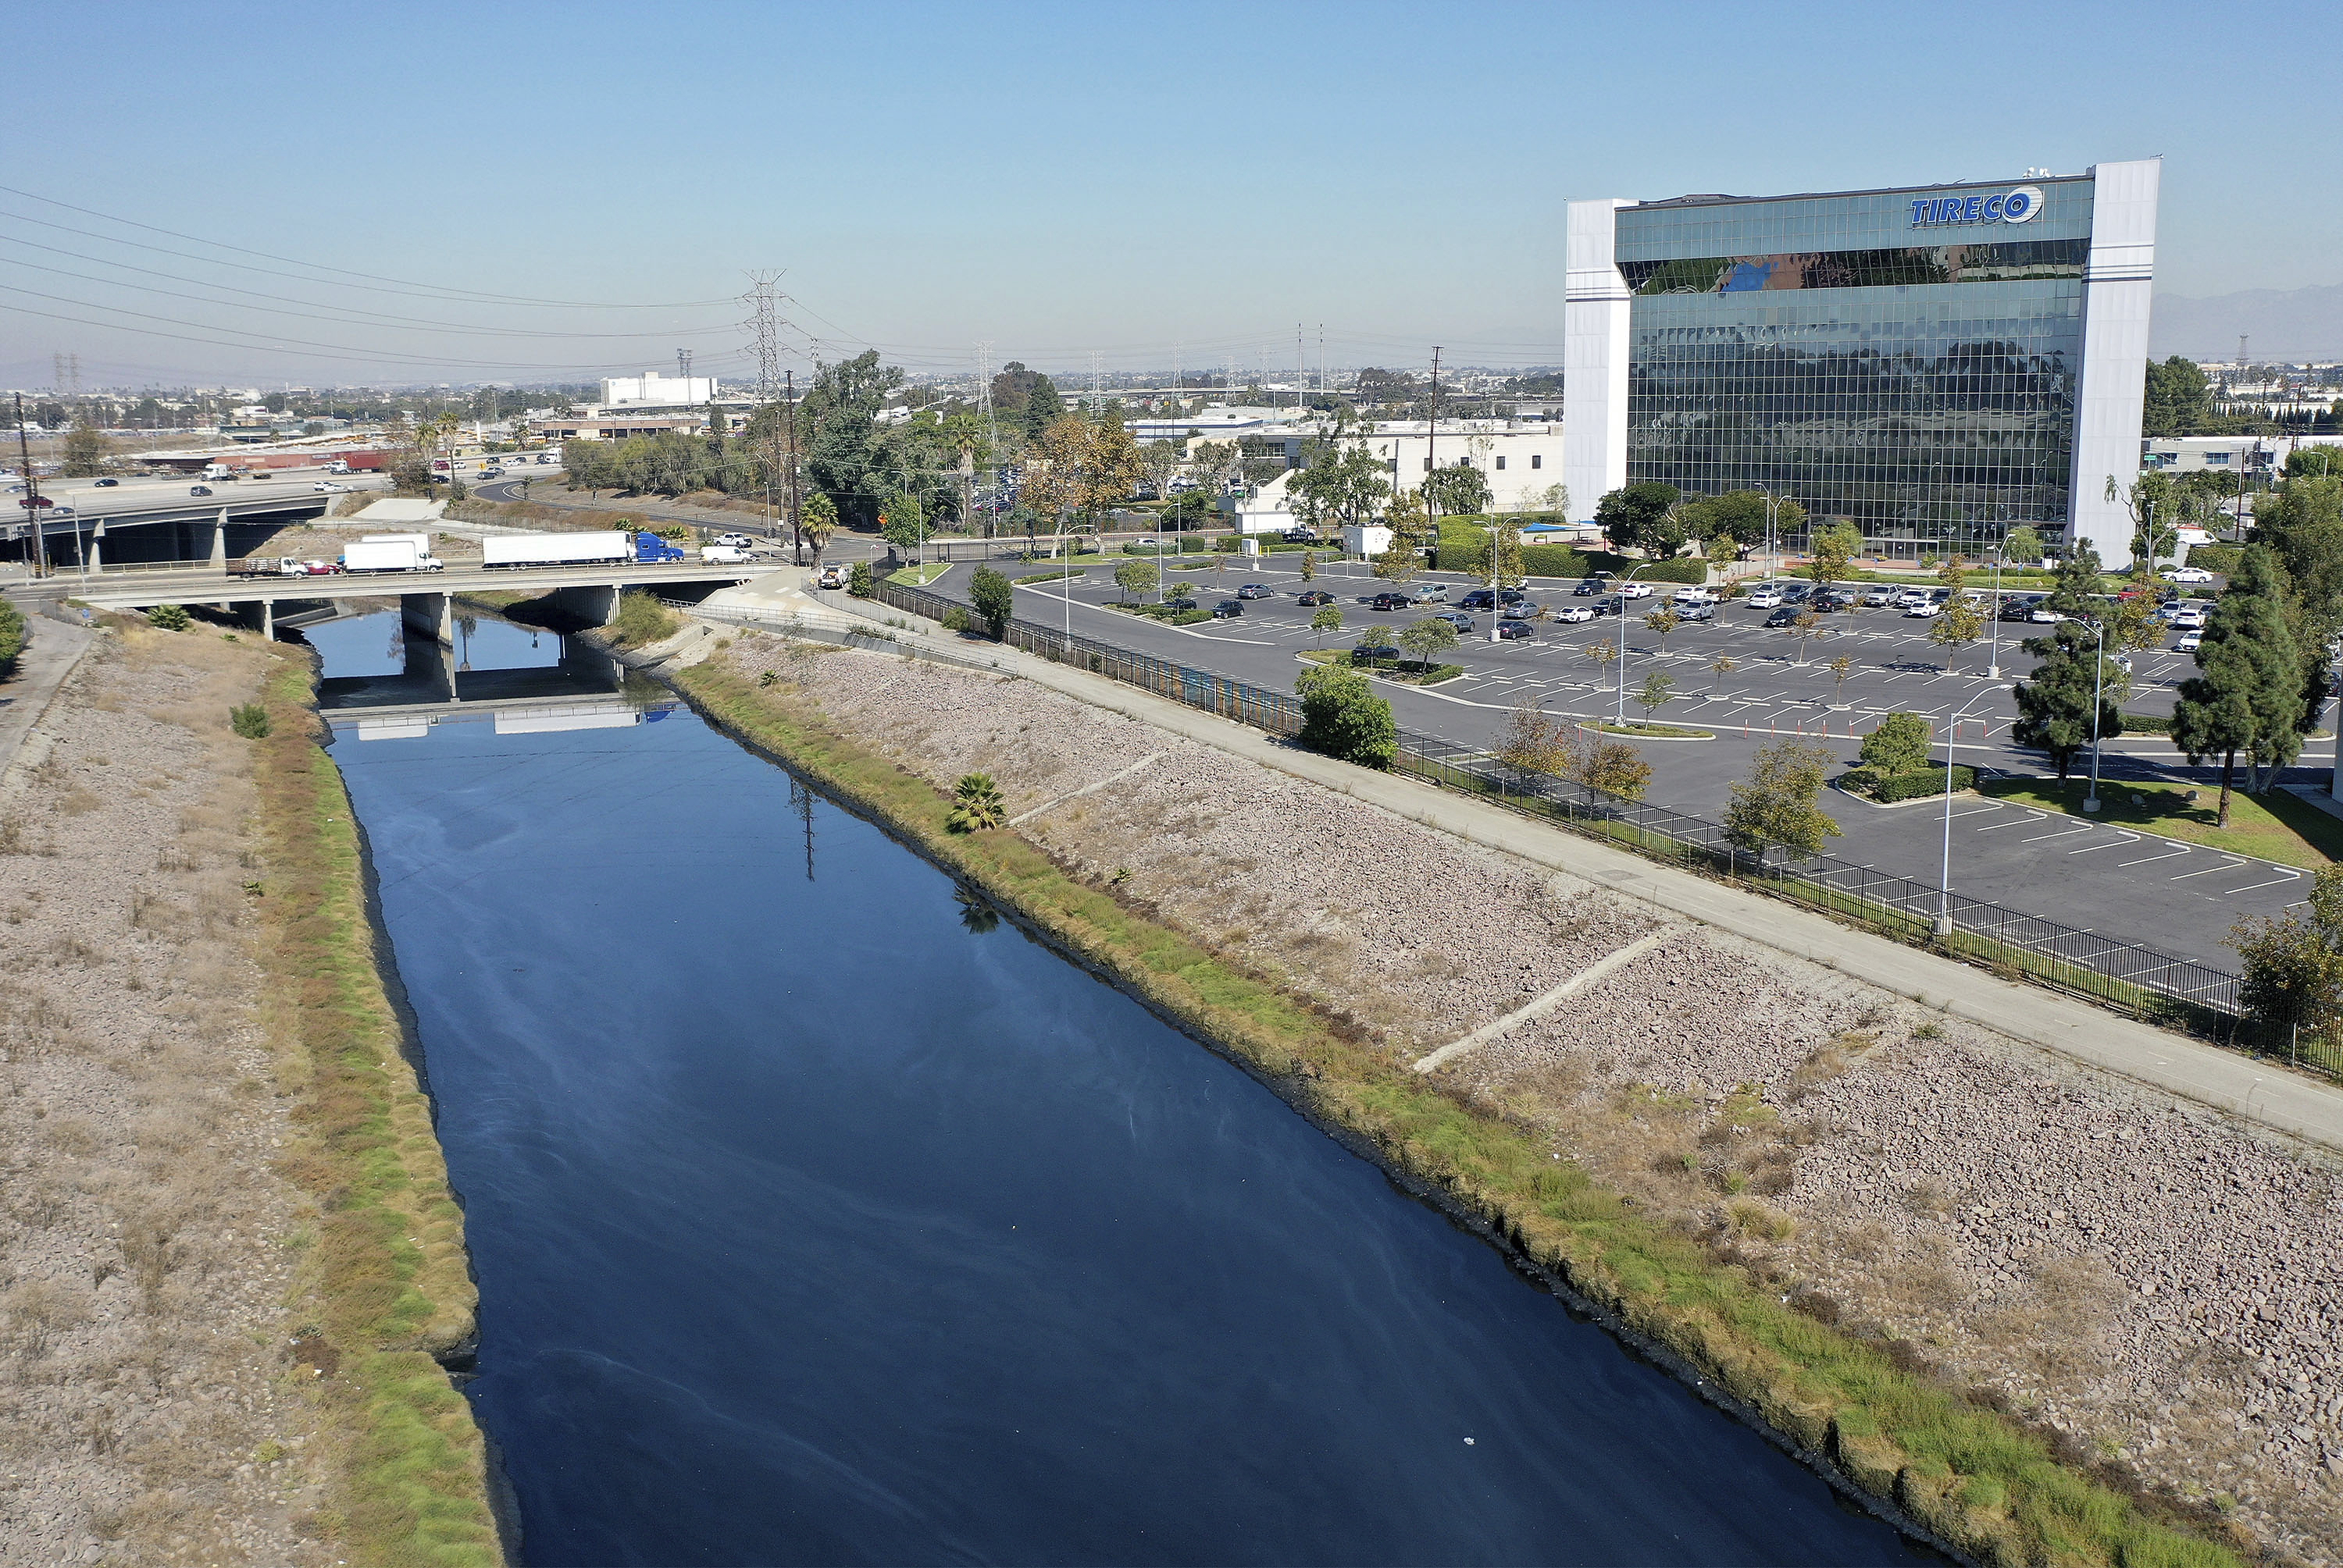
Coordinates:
[1973,1477]
[388,1273]
[2273,825]
[1407,671]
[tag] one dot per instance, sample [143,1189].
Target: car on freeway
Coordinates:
[105,484]
[1786,615]
[1693,612]
[2175,575]
[1522,611]
[1588,588]
[199,489]
[328,487]
[1575,613]
[318,569]
[1927,609]
[1432,593]
[1180,603]
[1764,599]
[1463,623]
[1228,609]
[1513,631]
[1313,597]
[2190,641]
[544,458]
[492,473]
[1390,602]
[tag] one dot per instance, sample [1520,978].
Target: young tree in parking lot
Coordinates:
[1308,565]
[1427,640]
[995,599]
[1898,743]
[1723,664]
[2074,587]
[1602,653]
[1506,540]
[1343,718]
[1662,621]
[1830,550]
[1959,624]
[1659,688]
[1777,806]
[1328,618]
[1137,576]
[1801,629]
[1840,667]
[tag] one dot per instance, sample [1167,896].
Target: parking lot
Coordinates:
[2134,885]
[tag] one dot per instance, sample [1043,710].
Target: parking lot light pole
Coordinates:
[1620,721]
[1993,666]
[2099,676]
[1945,876]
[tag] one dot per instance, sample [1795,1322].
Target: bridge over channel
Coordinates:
[589,593]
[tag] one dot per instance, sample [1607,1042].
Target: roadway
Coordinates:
[138,590]
[2167,895]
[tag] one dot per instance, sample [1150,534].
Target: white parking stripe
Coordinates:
[2235,861]
[2274,881]
[2062,833]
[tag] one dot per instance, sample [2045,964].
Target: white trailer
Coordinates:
[556,549]
[388,556]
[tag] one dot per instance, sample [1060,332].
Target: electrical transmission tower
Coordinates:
[764,325]
[683,363]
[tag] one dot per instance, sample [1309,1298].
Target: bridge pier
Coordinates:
[429,614]
[260,614]
[219,540]
[596,604]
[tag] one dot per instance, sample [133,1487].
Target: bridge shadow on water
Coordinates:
[372,662]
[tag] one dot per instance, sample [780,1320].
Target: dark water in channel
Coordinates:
[818,1219]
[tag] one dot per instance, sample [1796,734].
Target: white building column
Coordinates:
[2110,388]
[1593,357]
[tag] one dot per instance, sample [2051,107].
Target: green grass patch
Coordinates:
[2273,827]
[1407,671]
[920,577]
[387,1275]
[1655,731]
[642,620]
[1974,1476]
[1165,613]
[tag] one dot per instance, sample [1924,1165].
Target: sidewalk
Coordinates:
[2226,1080]
[49,657]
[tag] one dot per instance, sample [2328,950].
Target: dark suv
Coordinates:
[1390,602]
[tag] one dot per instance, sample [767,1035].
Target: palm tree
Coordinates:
[965,433]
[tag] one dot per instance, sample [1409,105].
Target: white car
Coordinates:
[1692,596]
[1927,609]
[738,541]
[1764,599]
[328,487]
[1574,614]
[1910,597]
[1879,598]
[1636,590]
[2190,641]
[2189,618]
[2188,574]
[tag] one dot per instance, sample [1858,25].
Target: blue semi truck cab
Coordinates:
[651,550]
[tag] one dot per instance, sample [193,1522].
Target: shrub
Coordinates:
[995,601]
[976,805]
[642,620]
[1343,718]
[1920,781]
[250,721]
[1898,743]
[2222,558]
[858,579]
[169,617]
[956,619]
[1862,780]
[14,632]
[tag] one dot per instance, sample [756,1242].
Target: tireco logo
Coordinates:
[2012,207]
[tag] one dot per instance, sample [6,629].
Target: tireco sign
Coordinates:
[2012,207]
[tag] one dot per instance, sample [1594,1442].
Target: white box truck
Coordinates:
[396,554]
[556,549]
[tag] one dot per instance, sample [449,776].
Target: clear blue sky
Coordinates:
[1056,178]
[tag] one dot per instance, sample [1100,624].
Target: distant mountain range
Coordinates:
[2281,325]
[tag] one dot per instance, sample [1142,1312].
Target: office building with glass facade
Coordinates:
[1937,364]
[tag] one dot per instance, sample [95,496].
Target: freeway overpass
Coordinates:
[425,599]
[162,521]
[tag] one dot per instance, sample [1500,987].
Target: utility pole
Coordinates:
[797,535]
[32,493]
[1300,375]
[764,325]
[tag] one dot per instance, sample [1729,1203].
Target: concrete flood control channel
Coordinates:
[2128,897]
[820,1216]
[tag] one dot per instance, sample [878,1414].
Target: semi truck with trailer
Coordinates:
[613,548]
[391,553]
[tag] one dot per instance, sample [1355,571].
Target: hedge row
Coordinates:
[1887,788]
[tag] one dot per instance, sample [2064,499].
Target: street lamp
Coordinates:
[1945,876]
[1620,721]
[1993,664]
[2098,676]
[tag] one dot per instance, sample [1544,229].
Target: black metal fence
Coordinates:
[2143,981]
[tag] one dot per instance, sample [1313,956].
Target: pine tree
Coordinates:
[2054,707]
[2249,695]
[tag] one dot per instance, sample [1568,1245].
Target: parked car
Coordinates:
[1514,631]
[1227,609]
[1254,590]
[1685,596]
[1573,614]
[1693,612]
[2177,575]
[199,489]
[1522,611]
[1313,597]
[2190,641]
[2043,615]
[1479,599]
[1389,601]
[1879,598]
[1764,599]
[2188,618]
[738,541]
[1636,591]
[1786,615]
[1375,653]
[1432,593]
[1588,588]
[1793,593]
[1831,603]
[1299,536]
[1463,623]
[1181,603]
[1927,609]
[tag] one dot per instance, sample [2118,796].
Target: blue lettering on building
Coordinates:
[2010,206]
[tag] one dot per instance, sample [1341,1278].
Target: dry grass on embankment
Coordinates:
[1972,1475]
[387,1276]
